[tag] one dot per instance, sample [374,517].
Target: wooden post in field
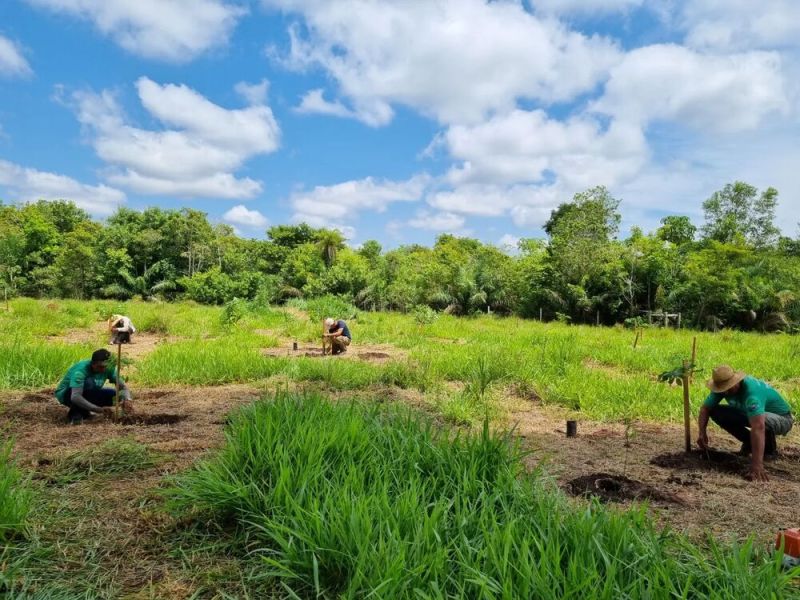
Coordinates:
[636,339]
[598,318]
[679,320]
[323,337]
[540,314]
[694,357]
[686,415]
[116,379]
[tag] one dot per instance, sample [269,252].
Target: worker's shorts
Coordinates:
[99,396]
[340,343]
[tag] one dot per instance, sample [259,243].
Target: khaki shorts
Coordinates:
[340,342]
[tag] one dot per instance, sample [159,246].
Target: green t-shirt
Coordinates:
[78,374]
[754,398]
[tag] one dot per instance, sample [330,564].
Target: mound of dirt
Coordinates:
[617,488]
[710,460]
[148,420]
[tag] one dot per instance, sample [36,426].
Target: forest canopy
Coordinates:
[736,270]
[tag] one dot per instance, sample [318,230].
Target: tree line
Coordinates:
[735,271]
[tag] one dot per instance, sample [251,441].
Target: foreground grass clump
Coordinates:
[15,498]
[347,501]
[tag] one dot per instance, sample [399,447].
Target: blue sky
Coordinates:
[398,120]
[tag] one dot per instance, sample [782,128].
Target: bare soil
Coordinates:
[617,488]
[714,495]
[374,353]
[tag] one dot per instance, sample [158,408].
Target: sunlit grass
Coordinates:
[342,501]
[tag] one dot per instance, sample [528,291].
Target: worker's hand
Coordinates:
[702,441]
[108,412]
[757,473]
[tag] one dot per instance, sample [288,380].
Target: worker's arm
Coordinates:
[336,333]
[78,400]
[757,434]
[702,426]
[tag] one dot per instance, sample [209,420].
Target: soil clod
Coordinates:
[617,488]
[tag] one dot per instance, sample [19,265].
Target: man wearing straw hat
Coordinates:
[754,414]
[339,335]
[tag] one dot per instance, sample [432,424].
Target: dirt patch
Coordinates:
[141,343]
[617,488]
[710,460]
[148,420]
[375,353]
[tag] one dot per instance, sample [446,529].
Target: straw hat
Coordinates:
[724,378]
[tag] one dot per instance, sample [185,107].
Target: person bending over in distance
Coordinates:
[754,414]
[339,335]
[121,329]
[81,389]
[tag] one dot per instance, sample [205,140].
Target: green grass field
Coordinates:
[308,498]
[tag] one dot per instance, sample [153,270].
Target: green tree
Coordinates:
[737,214]
[329,242]
[677,230]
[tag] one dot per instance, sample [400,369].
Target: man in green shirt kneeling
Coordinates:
[754,414]
[82,391]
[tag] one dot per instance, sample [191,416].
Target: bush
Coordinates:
[424,315]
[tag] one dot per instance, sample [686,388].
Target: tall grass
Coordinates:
[342,501]
[15,498]
[26,365]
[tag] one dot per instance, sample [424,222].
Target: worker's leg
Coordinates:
[97,396]
[734,422]
[340,344]
[776,425]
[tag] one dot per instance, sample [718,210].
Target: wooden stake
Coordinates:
[540,315]
[686,415]
[694,358]
[636,339]
[323,337]
[119,371]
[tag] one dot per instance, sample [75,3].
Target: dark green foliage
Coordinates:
[741,273]
[342,501]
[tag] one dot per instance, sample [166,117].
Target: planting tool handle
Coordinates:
[686,412]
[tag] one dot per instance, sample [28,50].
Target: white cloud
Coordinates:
[584,6]
[12,62]
[176,31]
[253,93]
[457,60]
[332,204]
[197,159]
[28,185]
[509,244]
[526,146]
[314,102]
[443,221]
[741,24]
[712,92]
[244,217]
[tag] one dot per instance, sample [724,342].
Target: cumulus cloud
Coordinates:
[324,205]
[442,222]
[527,146]
[509,244]
[242,216]
[708,91]
[314,102]
[175,31]
[253,93]
[457,60]
[741,24]
[12,61]
[198,158]
[27,185]
[569,7]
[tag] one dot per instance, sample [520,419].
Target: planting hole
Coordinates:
[617,488]
[711,460]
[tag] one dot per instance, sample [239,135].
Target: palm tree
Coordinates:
[153,281]
[329,242]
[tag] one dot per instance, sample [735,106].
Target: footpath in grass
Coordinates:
[345,501]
